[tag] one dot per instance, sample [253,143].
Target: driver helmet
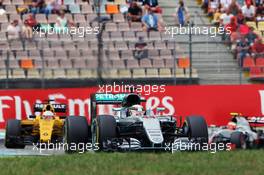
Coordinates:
[231,125]
[137,110]
[48,115]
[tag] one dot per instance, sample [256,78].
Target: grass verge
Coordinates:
[194,163]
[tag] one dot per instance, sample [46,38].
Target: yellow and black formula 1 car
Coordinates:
[48,127]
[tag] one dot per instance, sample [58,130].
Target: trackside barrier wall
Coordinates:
[213,102]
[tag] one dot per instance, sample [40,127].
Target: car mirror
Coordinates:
[32,116]
[116,109]
[160,109]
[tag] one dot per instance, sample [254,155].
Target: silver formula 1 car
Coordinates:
[241,132]
[133,128]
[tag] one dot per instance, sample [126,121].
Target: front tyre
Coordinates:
[103,129]
[195,127]
[238,139]
[76,133]
[13,135]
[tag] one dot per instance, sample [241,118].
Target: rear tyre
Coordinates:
[103,129]
[196,128]
[76,133]
[13,134]
[238,139]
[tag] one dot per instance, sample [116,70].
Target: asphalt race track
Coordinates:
[31,150]
[28,151]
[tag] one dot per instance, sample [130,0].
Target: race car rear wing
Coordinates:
[256,122]
[255,119]
[123,99]
[59,108]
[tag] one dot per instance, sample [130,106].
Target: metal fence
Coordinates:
[211,58]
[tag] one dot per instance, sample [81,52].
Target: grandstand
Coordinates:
[112,55]
[213,57]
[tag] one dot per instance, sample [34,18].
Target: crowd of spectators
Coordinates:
[134,12]
[241,20]
[24,29]
[182,14]
[46,6]
[144,11]
[13,30]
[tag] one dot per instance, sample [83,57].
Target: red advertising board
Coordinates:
[213,102]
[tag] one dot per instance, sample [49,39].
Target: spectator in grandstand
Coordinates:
[260,13]
[205,5]
[213,6]
[235,37]
[231,30]
[57,6]
[260,8]
[260,17]
[240,3]
[225,4]
[258,3]
[134,12]
[248,11]
[52,6]
[244,29]
[60,2]
[240,17]
[22,10]
[238,40]
[37,6]
[49,6]
[234,7]
[182,14]
[1,4]
[27,30]
[216,17]
[141,49]
[251,36]
[61,22]
[150,21]
[225,18]
[2,10]
[232,26]
[257,48]
[242,49]
[13,30]
[153,5]
[31,21]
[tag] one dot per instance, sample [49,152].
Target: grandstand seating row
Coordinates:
[81,35]
[93,63]
[256,72]
[92,73]
[255,67]
[76,18]
[258,27]
[70,46]
[86,54]
[68,2]
[79,59]
[251,62]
